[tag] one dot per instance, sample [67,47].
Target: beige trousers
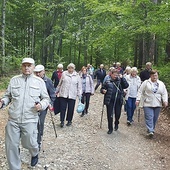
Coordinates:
[27,132]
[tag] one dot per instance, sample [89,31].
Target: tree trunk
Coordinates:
[167,49]
[75,50]
[91,55]
[70,52]
[3,36]
[79,53]
[33,38]
[85,51]
[136,53]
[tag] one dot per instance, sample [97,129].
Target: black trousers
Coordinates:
[116,111]
[86,99]
[69,104]
[98,83]
[41,121]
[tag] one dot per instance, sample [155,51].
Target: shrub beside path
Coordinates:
[84,146]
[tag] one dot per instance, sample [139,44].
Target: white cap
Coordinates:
[60,66]
[39,68]
[28,60]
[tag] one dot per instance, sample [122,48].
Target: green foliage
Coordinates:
[4,81]
[164,75]
[12,65]
[80,31]
[57,60]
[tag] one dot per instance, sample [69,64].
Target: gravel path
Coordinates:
[84,146]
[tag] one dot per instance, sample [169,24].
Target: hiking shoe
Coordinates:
[86,111]
[62,124]
[109,132]
[34,160]
[116,127]
[68,123]
[82,115]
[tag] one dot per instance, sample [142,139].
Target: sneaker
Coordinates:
[129,123]
[34,160]
[150,134]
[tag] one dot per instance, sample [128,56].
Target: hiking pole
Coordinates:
[138,114]
[53,124]
[45,167]
[39,130]
[102,115]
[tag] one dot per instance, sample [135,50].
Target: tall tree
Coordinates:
[3,35]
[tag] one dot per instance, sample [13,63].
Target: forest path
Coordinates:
[84,146]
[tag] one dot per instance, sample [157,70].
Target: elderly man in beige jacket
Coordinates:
[27,95]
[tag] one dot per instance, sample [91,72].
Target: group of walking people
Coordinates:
[31,94]
[145,90]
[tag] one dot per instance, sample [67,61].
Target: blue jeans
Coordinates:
[131,106]
[151,117]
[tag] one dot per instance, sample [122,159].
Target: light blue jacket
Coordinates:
[89,84]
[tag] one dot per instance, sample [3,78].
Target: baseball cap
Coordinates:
[39,68]
[28,60]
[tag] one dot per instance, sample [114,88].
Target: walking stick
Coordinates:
[137,111]
[53,124]
[102,116]
[138,114]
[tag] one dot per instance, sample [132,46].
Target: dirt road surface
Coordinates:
[86,146]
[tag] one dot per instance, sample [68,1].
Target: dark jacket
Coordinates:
[50,89]
[55,78]
[145,75]
[100,75]
[114,87]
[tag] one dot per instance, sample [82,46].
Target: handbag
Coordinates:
[80,106]
[56,105]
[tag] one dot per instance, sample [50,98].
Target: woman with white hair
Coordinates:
[69,88]
[134,82]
